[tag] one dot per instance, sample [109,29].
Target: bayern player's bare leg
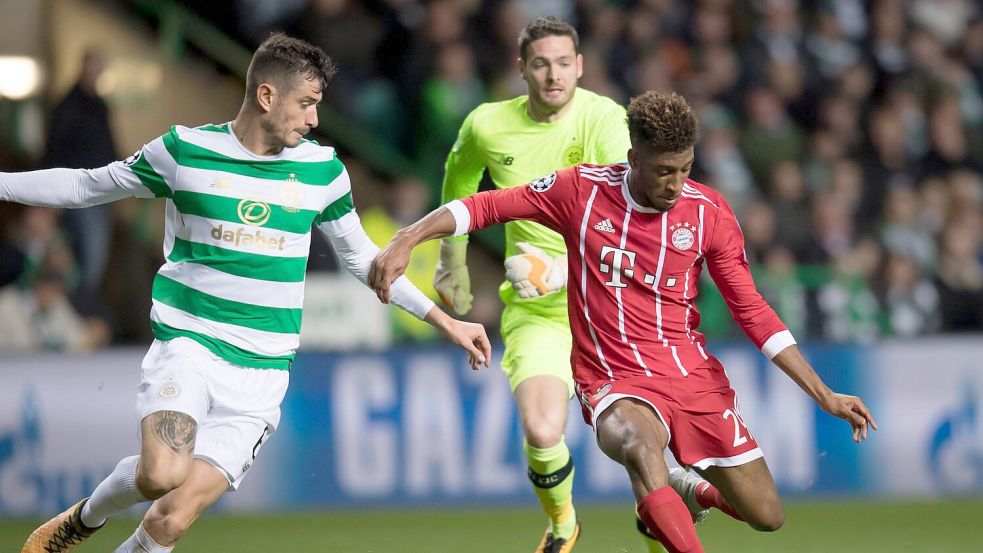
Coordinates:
[630,432]
[750,490]
[170,516]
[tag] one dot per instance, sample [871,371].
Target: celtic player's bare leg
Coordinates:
[167,443]
[171,515]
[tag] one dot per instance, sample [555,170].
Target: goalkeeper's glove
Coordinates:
[534,273]
[451,280]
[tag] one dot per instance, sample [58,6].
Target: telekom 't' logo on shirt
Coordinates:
[618,266]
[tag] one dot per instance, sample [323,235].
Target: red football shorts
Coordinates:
[699,410]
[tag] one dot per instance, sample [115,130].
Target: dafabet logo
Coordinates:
[256,214]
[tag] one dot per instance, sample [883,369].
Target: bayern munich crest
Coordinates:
[682,236]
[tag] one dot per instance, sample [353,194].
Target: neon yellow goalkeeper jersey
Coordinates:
[502,138]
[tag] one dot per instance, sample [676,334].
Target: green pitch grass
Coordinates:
[840,527]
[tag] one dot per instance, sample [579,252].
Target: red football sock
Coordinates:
[666,516]
[707,495]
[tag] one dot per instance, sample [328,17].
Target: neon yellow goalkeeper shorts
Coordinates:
[537,341]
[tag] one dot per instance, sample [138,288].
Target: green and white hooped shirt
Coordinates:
[237,238]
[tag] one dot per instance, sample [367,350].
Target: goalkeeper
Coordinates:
[555,125]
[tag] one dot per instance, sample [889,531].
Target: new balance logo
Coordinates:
[605,226]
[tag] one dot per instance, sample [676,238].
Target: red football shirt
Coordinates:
[634,271]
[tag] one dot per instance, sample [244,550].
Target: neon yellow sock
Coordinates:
[551,472]
[651,545]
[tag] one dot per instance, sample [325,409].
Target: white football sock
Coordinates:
[141,542]
[114,494]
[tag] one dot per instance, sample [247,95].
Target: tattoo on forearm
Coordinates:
[176,430]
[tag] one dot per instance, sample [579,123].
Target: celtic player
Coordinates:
[241,198]
[555,125]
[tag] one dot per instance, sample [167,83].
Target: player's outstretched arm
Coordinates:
[470,336]
[391,263]
[846,407]
[62,187]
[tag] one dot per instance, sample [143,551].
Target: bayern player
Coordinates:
[638,237]
[554,125]
[241,199]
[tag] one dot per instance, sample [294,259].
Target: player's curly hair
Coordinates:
[285,61]
[666,122]
[543,27]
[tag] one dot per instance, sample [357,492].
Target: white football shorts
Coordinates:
[237,408]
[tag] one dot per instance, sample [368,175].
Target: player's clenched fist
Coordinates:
[534,273]
[451,280]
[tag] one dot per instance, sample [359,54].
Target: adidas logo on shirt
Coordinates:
[605,226]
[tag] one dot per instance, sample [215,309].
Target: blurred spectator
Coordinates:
[80,137]
[887,162]
[770,136]
[350,35]
[790,199]
[824,150]
[718,76]
[640,39]
[849,309]
[40,318]
[780,284]
[833,231]
[827,43]
[911,301]
[497,48]
[35,311]
[447,97]
[596,78]
[950,148]
[933,205]
[344,29]
[960,273]
[760,230]
[846,182]
[946,19]
[788,80]
[778,35]
[721,162]
[41,242]
[443,24]
[903,232]
[839,115]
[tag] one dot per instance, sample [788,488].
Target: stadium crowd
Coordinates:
[848,135]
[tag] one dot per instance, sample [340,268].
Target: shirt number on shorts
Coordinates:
[738,423]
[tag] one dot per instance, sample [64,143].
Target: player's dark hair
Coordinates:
[543,27]
[666,122]
[286,61]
